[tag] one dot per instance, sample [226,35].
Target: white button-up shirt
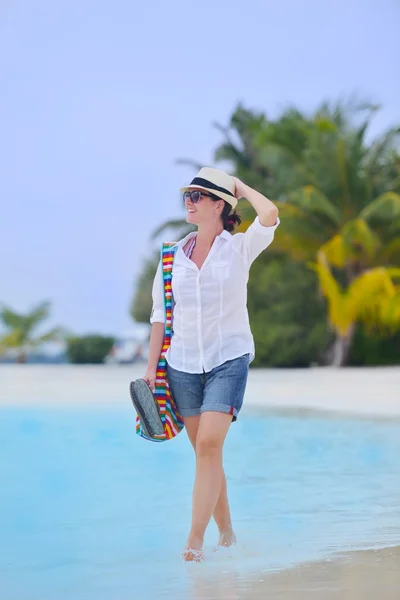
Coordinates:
[210,318]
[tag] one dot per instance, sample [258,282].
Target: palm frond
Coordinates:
[356,243]
[27,322]
[54,335]
[37,315]
[389,254]
[300,223]
[394,273]
[13,339]
[189,162]
[335,251]
[381,146]
[11,318]
[375,297]
[340,314]
[344,175]
[384,208]
[371,297]
[301,248]
[313,201]
[360,241]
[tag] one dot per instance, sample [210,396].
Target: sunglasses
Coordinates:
[195,196]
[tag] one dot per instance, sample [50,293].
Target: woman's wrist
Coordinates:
[265,209]
[241,188]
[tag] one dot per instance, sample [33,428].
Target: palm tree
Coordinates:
[373,298]
[20,330]
[321,170]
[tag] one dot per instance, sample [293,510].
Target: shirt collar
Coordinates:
[183,241]
[224,235]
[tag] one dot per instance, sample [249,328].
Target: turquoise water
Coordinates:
[89,510]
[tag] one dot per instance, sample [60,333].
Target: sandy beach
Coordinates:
[367,391]
[365,575]
[368,575]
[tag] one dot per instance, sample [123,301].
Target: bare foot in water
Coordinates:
[227,538]
[192,555]
[193,551]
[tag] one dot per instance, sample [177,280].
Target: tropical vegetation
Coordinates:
[21,330]
[89,349]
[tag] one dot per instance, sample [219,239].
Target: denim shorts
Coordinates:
[220,390]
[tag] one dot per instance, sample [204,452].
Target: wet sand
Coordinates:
[366,391]
[365,575]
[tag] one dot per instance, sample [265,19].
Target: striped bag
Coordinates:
[171,419]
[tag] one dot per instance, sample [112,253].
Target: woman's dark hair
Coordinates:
[229,220]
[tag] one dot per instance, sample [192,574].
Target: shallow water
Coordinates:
[89,510]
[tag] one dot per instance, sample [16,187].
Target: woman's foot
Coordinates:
[194,549]
[192,555]
[227,538]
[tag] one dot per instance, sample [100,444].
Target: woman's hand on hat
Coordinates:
[240,188]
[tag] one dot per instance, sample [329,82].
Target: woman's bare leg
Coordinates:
[222,517]
[210,438]
[222,514]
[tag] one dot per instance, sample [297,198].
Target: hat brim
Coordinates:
[230,199]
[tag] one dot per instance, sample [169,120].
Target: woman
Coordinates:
[212,344]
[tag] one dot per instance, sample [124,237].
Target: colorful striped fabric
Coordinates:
[172,421]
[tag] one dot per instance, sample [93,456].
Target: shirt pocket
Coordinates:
[182,282]
[220,269]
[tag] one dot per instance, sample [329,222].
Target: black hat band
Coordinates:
[210,185]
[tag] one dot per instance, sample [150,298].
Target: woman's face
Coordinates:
[201,208]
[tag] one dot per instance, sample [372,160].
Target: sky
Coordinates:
[99,99]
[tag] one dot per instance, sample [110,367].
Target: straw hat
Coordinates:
[216,182]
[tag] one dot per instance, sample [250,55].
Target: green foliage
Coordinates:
[372,349]
[322,172]
[21,330]
[287,318]
[142,301]
[89,349]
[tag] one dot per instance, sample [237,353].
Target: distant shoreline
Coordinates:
[365,391]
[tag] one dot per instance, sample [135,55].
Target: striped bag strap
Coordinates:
[168,255]
[170,417]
